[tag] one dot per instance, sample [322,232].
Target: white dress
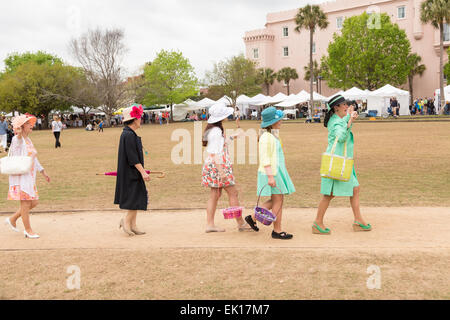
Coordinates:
[23,187]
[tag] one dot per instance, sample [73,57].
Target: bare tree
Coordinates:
[100,54]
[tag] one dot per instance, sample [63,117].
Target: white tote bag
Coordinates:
[15,165]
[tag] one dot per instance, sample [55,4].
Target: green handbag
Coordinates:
[336,167]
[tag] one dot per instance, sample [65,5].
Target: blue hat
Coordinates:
[271,116]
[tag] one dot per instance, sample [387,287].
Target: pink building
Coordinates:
[278,45]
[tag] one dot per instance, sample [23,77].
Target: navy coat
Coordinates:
[131,192]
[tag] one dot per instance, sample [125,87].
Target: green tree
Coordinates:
[365,56]
[215,92]
[287,74]
[15,60]
[310,18]
[37,89]
[171,79]
[437,12]
[416,68]
[267,77]
[316,73]
[236,76]
[447,67]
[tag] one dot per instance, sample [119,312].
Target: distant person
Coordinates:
[3,133]
[100,126]
[57,127]
[447,108]
[89,127]
[237,116]
[39,123]
[316,117]
[167,116]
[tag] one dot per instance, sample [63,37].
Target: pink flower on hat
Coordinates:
[137,112]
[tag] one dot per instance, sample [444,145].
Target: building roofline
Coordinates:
[328,7]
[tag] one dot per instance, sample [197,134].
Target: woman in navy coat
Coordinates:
[131,192]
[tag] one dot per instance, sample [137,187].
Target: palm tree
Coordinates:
[413,61]
[311,17]
[316,73]
[287,74]
[437,12]
[267,76]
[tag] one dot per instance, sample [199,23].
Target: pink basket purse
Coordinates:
[263,215]
[232,213]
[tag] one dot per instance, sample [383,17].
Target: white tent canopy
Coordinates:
[279,97]
[206,103]
[292,101]
[355,94]
[307,96]
[256,99]
[379,99]
[319,97]
[264,101]
[242,99]
[243,103]
[225,99]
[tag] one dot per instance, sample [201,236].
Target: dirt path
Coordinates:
[394,228]
[177,260]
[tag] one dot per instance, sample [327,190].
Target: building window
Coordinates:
[446,32]
[285,32]
[339,22]
[401,12]
[256,53]
[285,51]
[314,48]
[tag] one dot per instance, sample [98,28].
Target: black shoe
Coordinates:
[282,235]
[251,223]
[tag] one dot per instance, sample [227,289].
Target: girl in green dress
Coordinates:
[339,121]
[273,178]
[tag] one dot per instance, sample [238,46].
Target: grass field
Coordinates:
[398,164]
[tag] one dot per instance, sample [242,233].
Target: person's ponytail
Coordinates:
[328,116]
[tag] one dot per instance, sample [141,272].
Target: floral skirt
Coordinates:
[16,194]
[211,177]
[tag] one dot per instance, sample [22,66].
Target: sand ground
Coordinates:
[177,260]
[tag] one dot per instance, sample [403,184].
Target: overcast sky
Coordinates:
[206,31]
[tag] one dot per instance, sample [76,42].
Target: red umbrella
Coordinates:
[114,174]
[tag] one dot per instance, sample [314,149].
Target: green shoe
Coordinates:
[360,227]
[318,230]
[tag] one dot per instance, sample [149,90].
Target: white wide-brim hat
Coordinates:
[219,112]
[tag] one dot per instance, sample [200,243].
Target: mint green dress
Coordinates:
[337,127]
[283,180]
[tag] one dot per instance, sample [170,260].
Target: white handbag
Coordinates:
[15,165]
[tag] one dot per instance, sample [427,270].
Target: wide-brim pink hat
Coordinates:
[19,121]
